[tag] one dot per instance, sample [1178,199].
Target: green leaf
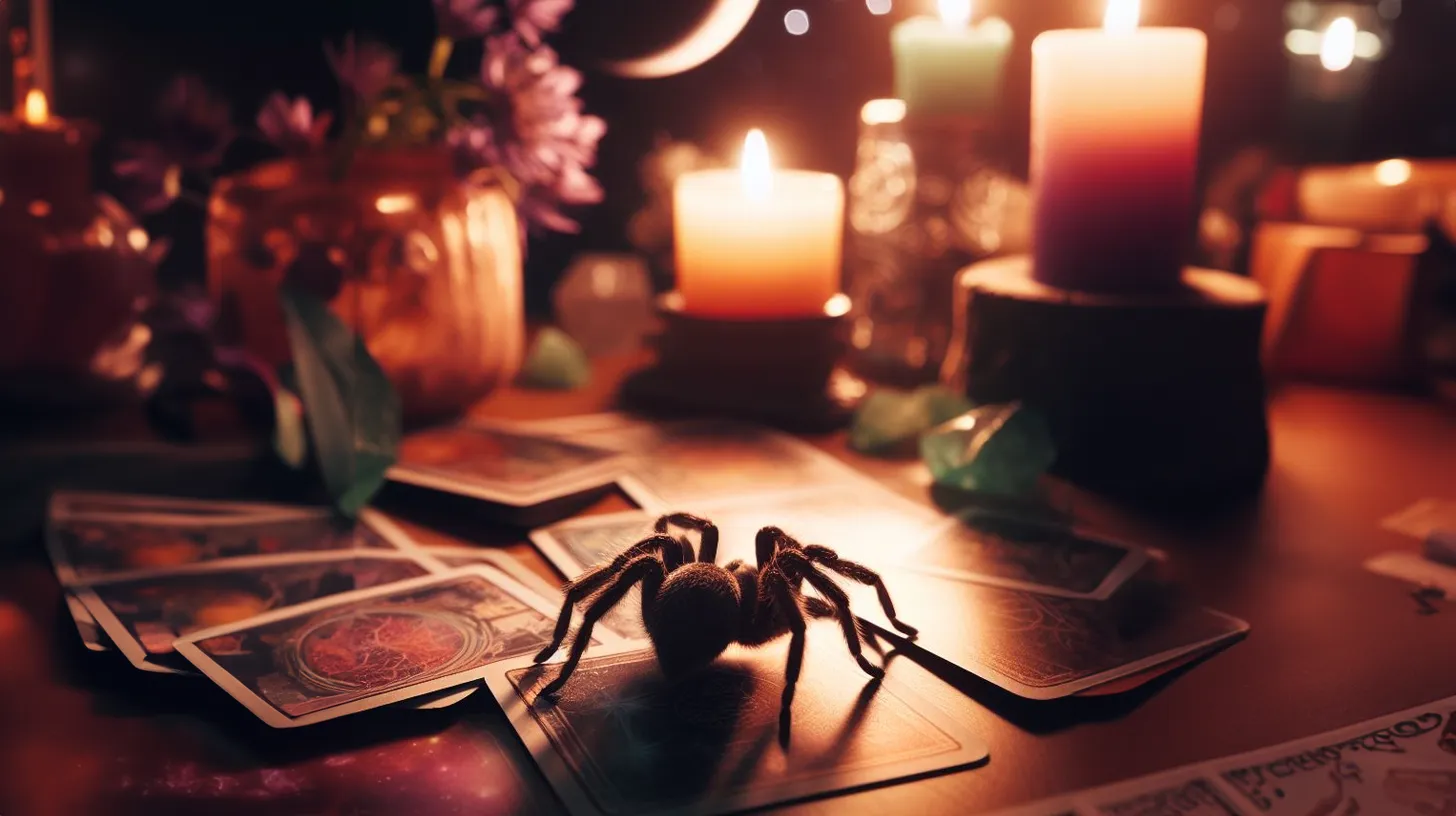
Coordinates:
[352,410]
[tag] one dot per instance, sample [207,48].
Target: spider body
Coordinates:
[693,608]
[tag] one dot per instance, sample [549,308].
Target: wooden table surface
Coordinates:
[84,733]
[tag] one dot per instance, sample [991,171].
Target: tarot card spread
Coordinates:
[622,739]
[500,465]
[362,650]
[1400,763]
[143,613]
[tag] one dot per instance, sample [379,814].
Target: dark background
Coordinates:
[113,56]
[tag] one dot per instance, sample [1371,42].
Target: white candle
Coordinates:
[1115,121]
[757,242]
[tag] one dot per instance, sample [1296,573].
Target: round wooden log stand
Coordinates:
[1154,399]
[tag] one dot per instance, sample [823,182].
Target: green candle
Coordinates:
[947,67]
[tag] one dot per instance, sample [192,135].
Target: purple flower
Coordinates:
[196,125]
[291,126]
[150,180]
[534,18]
[537,133]
[364,69]
[464,19]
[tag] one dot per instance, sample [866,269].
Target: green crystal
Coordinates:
[1000,449]
[555,361]
[888,419]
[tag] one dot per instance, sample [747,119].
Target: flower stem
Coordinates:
[440,57]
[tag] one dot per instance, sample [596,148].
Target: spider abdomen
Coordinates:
[694,618]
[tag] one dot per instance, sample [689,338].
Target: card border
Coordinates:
[1133,559]
[578,800]
[265,711]
[139,657]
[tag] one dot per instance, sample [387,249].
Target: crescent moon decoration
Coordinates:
[721,26]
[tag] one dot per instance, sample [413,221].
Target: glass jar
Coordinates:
[926,199]
[426,269]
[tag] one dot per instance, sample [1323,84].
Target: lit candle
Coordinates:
[758,242]
[45,162]
[1115,119]
[946,67]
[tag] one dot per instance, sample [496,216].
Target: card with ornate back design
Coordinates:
[1042,646]
[623,739]
[501,463]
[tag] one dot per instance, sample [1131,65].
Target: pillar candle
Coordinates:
[945,66]
[1115,121]
[758,243]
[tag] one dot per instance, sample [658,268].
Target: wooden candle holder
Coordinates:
[778,371]
[1150,397]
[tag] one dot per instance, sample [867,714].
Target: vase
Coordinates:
[424,268]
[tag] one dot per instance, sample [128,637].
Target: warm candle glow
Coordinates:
[1338,50]
[955,13]
[1393,172]
[757,176]
[1122,16]
[37,111]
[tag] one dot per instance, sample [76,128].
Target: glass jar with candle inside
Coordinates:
[76,262]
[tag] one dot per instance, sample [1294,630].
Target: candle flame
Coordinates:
[757,177]
[1338,50]
[37,110]
[1393,172]
[1122,16]
[955,13]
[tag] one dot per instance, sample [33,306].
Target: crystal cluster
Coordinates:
[889,419]
[1001,449]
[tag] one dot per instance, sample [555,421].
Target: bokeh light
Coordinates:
[878,7]
[796,22]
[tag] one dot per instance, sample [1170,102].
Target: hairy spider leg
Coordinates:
[649,570]
[818,608]
[707,533]
[784,597]
[594,579]
[792,562]
[864,575]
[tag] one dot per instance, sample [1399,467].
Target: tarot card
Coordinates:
[362,650]
[86,625]
[1423,518]
[499,464]
[1190,791]
[94,505]
[466,556]
[697,461]
[1036,645]
[1004,550]
[1400,763]
[143,612]
[1411,567]
[622,739]
[89,549]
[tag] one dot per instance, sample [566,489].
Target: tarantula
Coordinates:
[693,608]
